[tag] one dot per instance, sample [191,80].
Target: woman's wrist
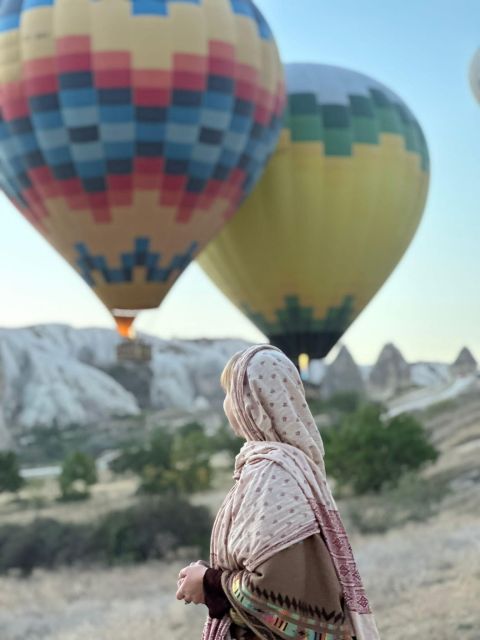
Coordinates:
[214,595]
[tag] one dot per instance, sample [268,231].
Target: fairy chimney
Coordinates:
[465,364]
[391,372]
[342,375]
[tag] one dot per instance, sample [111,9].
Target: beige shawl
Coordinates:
[281,495]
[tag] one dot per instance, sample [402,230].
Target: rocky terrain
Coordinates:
[55,375]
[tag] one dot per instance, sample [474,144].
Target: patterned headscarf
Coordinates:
[269,403]
[280,468]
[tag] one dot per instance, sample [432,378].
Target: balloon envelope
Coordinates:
[332,215]
[131,130]
[474,75]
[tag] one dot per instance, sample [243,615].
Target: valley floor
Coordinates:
[423,581]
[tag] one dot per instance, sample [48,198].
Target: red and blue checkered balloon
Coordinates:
[131,130]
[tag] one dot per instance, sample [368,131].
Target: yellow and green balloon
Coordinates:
[335,210]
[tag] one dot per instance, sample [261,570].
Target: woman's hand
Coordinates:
[190,584]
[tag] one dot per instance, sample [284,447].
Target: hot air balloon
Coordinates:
[131,130]
[474,75]
[332,215]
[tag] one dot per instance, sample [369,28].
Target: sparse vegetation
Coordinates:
[47,445]
[149,530]
[413,499]
[339,404]
[50,445]
[365,454]
[439,408]
[77,476]
[10,478]
[345,402]
[171,461]
[225,440]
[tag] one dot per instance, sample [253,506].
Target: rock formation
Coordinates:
[55,375]
[342,375]
[390,374]
[465,364]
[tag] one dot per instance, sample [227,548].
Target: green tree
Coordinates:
[10,478]
[191,457]
[344,401]
[366,454]
[172,462]
[132,459]
[224,439]
[77,475]
[157,472]
[338,404]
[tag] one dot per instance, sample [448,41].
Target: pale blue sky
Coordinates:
[430,305]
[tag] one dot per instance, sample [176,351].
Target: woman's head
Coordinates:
[265,400]
[227,373]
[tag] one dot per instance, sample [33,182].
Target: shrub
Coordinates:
[413,499]
[77,475]
[146,531]
[224,439]
[339,404]
[364,454]
[171,462]
[45,542]
[344,402]
[10,478]
[151,529]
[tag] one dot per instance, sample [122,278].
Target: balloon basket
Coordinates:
[134,351]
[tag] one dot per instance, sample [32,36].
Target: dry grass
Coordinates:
[39,499]
[126,603]
[423,581]
[109,493]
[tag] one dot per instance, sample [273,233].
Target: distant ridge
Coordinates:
[57,375]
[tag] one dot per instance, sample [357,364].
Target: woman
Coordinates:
[281,562]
